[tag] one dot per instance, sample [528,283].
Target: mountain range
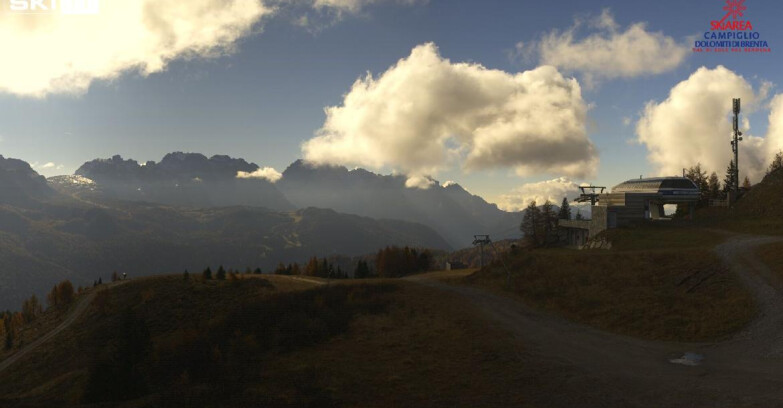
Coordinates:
[157,218]
[194,180]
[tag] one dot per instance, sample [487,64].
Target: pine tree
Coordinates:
[579,215]
[280,270]
[714,185]
[565,210]
[777,162]
[531,222]
[207,273]
[746,183]
[699,177]
[221,273]
[548,222]
[728,181]
[323,270]
[362,270]
[257,271]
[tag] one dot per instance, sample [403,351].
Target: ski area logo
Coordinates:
[732,33]
[52,6]
[734,9]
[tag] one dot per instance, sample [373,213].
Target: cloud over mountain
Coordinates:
[427,113]
[553,190]
[693,125]
[267,173]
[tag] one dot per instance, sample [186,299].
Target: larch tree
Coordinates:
[746,183]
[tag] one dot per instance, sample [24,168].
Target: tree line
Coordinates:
[61,295]
[389,262]
[711,186]
[539,225]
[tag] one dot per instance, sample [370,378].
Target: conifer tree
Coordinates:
[221,273]
[777,162]
[714,185]
[362,270]
[280,270]
[565,210]
[548,222]
[746,183]
[728,181]
[531,223]
[207,273]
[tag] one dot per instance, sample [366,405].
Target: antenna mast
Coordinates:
[735,142]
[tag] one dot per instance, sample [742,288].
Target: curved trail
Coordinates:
[576,365]
[77,311]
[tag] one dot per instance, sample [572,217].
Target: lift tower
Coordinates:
[735,143]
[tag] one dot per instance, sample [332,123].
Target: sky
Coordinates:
[514,100]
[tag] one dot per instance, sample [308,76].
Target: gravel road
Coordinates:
[572,365]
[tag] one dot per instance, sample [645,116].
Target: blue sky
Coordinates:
[265,98]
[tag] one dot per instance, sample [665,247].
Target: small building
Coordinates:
[453,265]
[632,200]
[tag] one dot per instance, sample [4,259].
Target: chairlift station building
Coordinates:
[631,201]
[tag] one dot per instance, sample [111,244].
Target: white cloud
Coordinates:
[693,125]
[267,173]
[420,182]
[552,190]
[609,52]
[355,6]
[426,113]
[50,54]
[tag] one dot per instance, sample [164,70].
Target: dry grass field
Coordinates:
[276,341]
[659,282]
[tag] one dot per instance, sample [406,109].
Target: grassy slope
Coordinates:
[658,282]
[249,343]
[759,211]
[772,255]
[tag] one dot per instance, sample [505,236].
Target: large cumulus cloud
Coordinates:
[427,113]
[693,125]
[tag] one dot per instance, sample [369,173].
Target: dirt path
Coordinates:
[576,365]
[77,311]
